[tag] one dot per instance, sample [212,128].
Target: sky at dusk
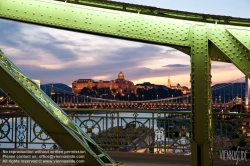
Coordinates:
[59,56]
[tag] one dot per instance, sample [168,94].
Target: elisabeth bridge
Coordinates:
[201,132]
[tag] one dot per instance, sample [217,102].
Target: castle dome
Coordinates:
[121,76]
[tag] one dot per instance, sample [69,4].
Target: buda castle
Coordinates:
[119,85]
[185,90]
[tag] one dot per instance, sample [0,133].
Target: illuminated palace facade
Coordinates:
[183,89]
[120,85]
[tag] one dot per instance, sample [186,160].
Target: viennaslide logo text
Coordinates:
[233,155]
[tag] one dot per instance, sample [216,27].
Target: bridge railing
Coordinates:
[231,131]
[148,131]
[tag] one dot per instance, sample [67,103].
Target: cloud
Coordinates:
[53,55]
[176,65]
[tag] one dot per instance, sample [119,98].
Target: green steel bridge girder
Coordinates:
[49,116]
[119,24]
[201,97]
[203,41]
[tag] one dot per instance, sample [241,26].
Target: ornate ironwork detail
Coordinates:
[135,132]
[4,127]
[89,126]
[231,131]
[21,130]
[39,133]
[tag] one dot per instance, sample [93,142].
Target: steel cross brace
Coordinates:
[235,45]
[235,48]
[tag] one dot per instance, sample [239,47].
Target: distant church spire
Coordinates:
[169,83]
[52,92]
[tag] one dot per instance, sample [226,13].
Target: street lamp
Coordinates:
[64,97]
[142,97]
[57,98]
[114,97]
[128,97]
[157,97]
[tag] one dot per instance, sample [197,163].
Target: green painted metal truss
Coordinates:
[48,115]
[204,38]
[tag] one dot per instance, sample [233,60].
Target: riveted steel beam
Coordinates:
[241,34]
[119,24]
[232,47]
[49,116]
[76,16]
[217,54]
[160,12]
[201,97]
[235,44]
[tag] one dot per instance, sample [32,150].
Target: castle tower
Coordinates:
[169,84]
